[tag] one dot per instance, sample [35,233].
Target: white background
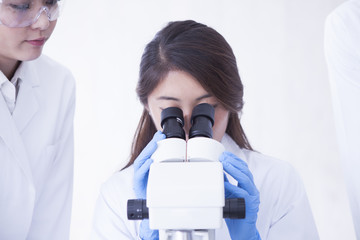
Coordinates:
[279,48]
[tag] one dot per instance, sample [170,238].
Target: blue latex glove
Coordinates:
[141,173]
[238,169]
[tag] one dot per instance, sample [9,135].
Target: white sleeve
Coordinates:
[341,42]
[52,211]
[292,217]
[342,51]
[110,215]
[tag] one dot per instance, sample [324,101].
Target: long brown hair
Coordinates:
[203,53]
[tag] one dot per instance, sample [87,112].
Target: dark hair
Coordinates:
[203,53]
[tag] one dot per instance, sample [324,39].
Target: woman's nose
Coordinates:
[187,124]
[42,22]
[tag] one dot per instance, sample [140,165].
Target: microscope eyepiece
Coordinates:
[172,122]
[202,120]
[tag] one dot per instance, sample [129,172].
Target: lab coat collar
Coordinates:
[231,146]
[26,102]
[26,72]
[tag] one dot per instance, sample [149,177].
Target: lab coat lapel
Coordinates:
[26,106]
[26,102]
[12,139]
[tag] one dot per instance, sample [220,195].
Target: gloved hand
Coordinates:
[141,173]
[238,169]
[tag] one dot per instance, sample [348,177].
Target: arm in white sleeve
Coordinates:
[110,215]
[342,51]
[292,216]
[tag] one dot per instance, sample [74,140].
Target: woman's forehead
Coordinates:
[177,81]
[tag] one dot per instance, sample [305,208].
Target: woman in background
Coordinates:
[188,63]
[36,125]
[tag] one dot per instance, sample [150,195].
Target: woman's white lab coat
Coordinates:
[36,154]
[284,209]
[342,51]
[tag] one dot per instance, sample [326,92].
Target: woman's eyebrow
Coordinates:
[203,96]
[177,99]
[168,98]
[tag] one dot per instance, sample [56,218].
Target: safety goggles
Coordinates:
[23,13]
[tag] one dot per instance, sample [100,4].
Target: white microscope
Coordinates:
[185,191]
